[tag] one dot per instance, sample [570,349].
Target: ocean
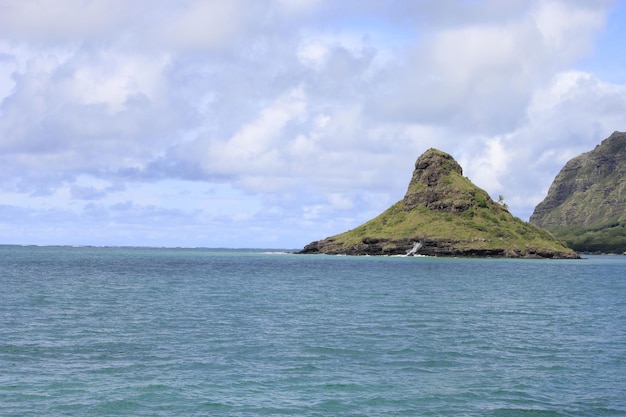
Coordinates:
[200,332]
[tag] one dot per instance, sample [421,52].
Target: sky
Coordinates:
[273,123]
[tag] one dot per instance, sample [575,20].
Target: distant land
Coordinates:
[586,203]
[444,214]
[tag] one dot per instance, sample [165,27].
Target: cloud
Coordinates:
[479,76]
[304,116]
[49,22]
[255,147]
[571,115]
[211,24]
[86,112]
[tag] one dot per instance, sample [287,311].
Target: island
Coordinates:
[444,214]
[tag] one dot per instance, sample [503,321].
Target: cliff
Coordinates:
[586,203]
[444,214]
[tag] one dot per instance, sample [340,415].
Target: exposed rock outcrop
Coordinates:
[586,203]
[424,188]
[444,214]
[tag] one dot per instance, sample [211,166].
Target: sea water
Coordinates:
[197,332]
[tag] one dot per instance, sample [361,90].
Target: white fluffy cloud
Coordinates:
[304,116]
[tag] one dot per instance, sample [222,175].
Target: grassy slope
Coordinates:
[605,239]
[485,225]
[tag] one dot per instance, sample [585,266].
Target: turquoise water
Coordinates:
[173,332]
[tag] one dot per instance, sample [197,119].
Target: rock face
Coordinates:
[431,169]
[586,203]
[444,214]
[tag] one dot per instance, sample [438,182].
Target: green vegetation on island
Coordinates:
[444,214]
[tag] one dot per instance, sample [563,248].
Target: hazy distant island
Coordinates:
[444,214]
[586,203]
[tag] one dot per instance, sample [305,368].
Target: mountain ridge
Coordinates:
[586,202]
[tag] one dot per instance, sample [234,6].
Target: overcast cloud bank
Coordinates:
[274,123]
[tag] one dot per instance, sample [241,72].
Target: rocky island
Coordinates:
[586,203]
[444,214]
